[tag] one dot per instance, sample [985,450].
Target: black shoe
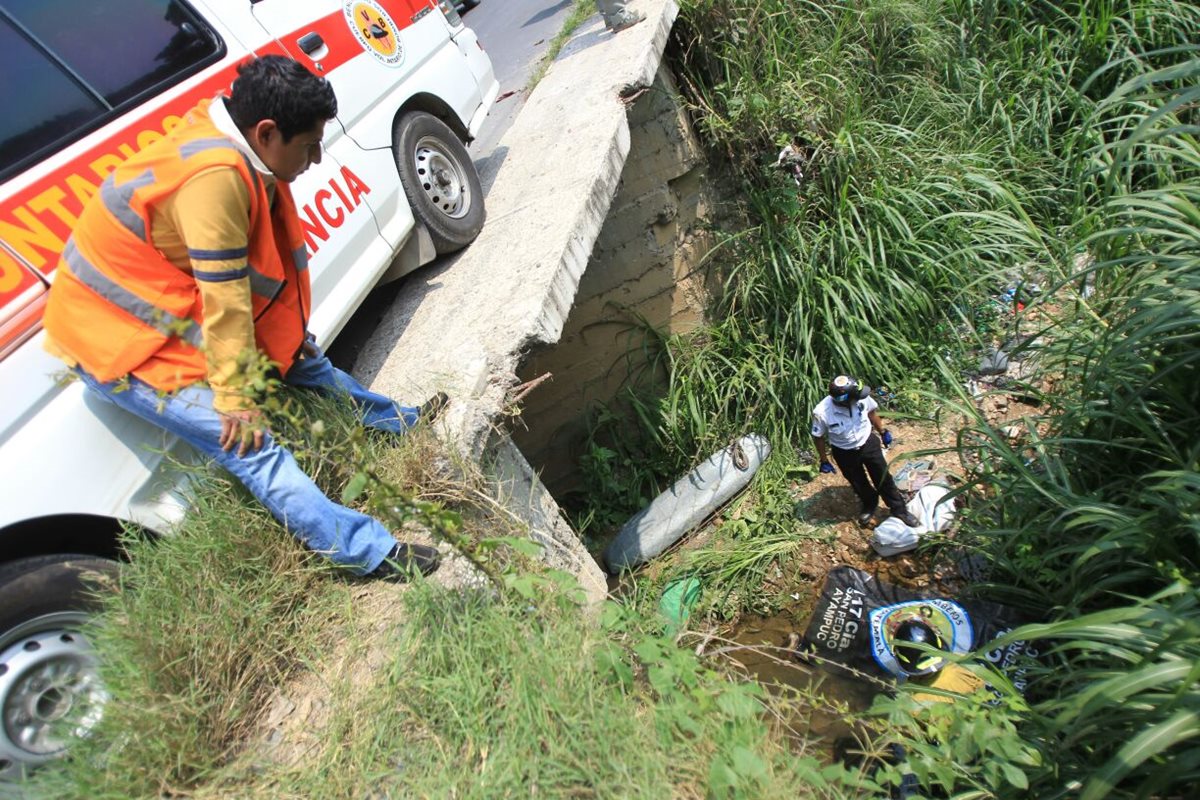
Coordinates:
[908,518]
[864,517]
[428,411]
[405,559]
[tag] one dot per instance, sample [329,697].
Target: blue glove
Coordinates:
[827,468]
[887,438]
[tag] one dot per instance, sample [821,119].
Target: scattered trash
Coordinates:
[678,599]
[793,159]
[995,362]
[883,395]
[913,472]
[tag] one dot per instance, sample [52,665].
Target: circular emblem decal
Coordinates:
[375,31]
[948,618]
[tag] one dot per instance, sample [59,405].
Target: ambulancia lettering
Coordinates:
[330,207]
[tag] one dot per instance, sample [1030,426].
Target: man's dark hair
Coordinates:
[283,90]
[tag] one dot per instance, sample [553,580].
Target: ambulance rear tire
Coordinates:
[439,180]
[50,687]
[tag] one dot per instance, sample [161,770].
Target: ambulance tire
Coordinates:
[46,665]
[439,180]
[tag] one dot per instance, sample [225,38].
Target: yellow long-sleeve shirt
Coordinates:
[203,229]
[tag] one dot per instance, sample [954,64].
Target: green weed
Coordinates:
[953,149]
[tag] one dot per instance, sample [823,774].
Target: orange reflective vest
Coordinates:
[118,305]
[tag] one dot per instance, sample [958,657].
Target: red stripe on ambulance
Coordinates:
[37,221]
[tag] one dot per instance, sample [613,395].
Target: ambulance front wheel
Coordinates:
[439,180]
[50,688]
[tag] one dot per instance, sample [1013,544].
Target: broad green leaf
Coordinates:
[1149,743]
[355,487]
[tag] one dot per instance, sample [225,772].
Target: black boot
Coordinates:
[403,560]
[429,410]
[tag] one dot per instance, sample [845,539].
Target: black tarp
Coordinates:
[856,614]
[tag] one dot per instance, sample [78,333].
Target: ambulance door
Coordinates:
[339,229]
[367,50]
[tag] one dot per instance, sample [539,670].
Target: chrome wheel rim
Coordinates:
[442,177]
[50,691]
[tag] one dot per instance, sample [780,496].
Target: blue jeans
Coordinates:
[349,538]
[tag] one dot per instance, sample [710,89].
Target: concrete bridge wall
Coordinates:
[645,267]
[573,222]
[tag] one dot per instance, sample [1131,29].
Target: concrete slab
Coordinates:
[462,327]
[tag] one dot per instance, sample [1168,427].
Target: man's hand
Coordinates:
[243,428]
[886,436]
[309,349]
[827,468]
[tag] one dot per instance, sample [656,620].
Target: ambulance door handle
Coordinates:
[310,43]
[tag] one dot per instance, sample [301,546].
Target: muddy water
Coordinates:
[764,647]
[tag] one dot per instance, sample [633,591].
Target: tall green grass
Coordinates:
[946,145]
[1105,521]
[202,629]
[955,148]
[929,186]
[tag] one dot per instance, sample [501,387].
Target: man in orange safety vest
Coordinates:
[188,268]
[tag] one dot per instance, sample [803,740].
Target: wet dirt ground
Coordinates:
[764,647]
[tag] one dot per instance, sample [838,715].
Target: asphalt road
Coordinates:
[515,34]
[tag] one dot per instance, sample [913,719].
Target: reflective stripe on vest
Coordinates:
[263,285]
[300,258]
[118,201]
[196,146]
[162,321]
[260,284]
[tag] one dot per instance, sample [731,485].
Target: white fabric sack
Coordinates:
[892,536]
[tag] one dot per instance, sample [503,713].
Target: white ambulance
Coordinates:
[85,84]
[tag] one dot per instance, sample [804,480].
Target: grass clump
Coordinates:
[489,699]
[201,630]
[208,623]
[950,150]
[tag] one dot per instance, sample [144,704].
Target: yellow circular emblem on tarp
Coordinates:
[375,31]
